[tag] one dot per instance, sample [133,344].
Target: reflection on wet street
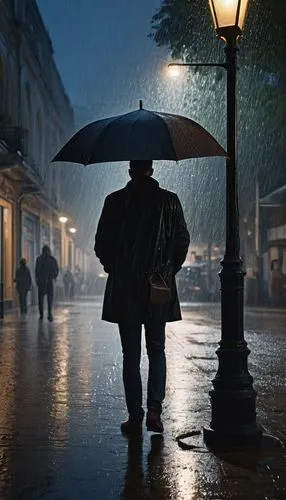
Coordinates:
[62,403]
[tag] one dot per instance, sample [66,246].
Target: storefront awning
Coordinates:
[275,199]
[26,176]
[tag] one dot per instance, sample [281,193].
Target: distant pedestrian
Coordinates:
[23,284]
[77,281]
[46,273]
[68,280]
[60,294]
[276,283]
[142,230]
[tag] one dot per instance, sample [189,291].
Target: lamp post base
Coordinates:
[233,419]
[249,436]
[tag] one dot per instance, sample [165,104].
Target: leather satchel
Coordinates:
[159,291]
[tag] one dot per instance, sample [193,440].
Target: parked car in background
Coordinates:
[195,284]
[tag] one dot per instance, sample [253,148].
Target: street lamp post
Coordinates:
[63,220]
[233,399]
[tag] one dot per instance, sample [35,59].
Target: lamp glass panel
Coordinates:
[213,13]
[242,13]
[224,12]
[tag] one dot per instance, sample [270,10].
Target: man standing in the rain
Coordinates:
[142,227]
[46,272]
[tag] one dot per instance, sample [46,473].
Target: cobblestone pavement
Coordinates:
[61,403]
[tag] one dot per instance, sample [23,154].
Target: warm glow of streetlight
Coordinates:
[229,17]
[72,230]
[173,71]
[63,219]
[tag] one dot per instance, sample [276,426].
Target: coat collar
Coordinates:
[143,183]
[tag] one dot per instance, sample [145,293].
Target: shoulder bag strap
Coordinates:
[159,230]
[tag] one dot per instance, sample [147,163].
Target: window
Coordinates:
[6,261]
[39,138]
[3,100]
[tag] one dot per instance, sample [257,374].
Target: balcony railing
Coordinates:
[16,139]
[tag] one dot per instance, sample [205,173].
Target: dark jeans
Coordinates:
[130,334]
[23,301]
[45,289]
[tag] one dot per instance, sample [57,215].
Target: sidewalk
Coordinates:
[61,403]
[266,309]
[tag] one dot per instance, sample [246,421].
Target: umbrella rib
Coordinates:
[158,115]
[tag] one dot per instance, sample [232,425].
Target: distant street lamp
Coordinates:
[72,230]
[233,398]
[63,219]
[173,71]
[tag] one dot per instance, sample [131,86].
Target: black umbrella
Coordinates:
[140,135]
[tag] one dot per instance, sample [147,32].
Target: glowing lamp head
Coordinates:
[229,17]
[173,71]
[72,230]
[63,219]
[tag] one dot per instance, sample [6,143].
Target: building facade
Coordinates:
[273,246]
[265,250]
[36,118]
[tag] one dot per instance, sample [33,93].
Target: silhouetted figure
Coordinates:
[59,289]
[78,281]
[23,284]
[276,283]
[130,243]
[46,272]
[68,284]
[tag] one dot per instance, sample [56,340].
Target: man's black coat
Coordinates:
[125,244]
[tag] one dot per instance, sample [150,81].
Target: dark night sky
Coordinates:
[102,51]
[108,63]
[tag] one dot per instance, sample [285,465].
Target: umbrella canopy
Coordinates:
[140,135]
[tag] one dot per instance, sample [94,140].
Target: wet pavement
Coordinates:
[61,403]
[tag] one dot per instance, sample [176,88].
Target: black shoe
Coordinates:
[153,421]
[132,426]
[41,317]
[50,318]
